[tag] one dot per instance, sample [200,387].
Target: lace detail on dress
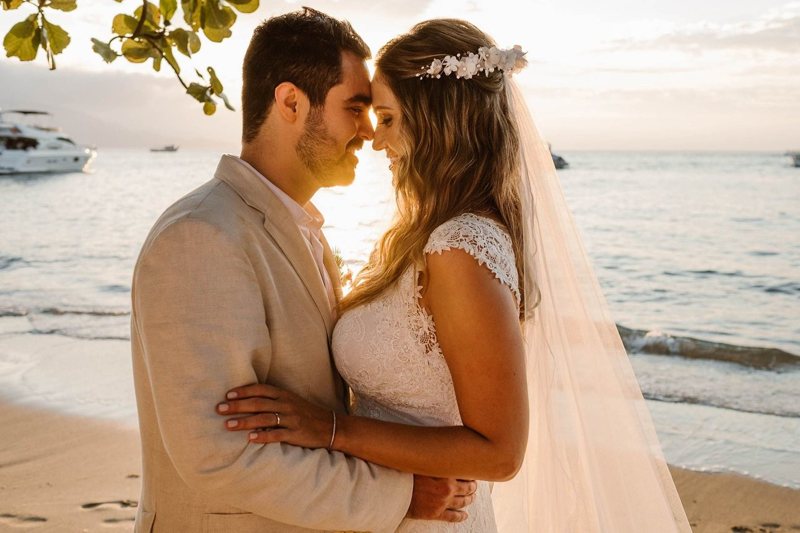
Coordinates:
[388,352]
[482,238]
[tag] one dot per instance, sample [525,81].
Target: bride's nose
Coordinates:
[378,141]
[365,128]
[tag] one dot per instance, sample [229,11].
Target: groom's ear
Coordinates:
[290,102]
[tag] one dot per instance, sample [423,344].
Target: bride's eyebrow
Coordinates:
[382,108]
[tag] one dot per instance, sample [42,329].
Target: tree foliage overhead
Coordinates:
[149,34]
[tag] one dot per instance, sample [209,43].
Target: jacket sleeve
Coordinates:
[199,317]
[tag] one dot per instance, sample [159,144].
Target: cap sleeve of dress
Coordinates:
[484,239]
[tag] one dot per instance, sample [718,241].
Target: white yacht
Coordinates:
[28,148]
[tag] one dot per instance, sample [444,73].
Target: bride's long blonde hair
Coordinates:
[459,151]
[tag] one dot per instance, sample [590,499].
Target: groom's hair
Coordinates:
[303,47]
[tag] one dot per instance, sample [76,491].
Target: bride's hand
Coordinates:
[271,414]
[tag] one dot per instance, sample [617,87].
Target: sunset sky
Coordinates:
[612,75]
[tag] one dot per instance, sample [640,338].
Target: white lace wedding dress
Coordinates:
[388,352]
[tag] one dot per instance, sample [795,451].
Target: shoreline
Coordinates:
[60,472]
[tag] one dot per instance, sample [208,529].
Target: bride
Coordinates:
[476,340]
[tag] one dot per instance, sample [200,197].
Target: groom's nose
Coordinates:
[365,129]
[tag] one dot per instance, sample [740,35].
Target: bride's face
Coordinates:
[387,110]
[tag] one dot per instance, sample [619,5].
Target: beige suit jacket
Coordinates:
[226,292]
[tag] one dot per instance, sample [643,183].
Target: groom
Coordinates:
[236,284]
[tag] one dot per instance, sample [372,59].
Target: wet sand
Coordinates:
[65,473]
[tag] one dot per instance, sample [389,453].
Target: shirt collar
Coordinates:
[307,216]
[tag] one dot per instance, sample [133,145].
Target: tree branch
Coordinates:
[164,57]
[139,26]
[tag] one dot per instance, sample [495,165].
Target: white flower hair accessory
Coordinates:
[486,61]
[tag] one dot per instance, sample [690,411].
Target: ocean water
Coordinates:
[698,255]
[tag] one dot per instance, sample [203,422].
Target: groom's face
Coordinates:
[334,131]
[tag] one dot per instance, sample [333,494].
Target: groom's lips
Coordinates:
[352,148]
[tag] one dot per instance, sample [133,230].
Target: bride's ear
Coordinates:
[291,103]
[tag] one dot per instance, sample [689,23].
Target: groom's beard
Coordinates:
[317,150]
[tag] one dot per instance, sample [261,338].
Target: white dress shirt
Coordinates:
[310,221]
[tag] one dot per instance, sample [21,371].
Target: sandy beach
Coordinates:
[66,473]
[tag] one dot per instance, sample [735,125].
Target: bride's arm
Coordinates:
[478,330]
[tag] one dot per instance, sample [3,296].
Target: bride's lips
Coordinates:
[393,158]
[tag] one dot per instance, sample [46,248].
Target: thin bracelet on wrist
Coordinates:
[333,432]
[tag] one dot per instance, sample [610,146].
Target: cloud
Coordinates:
[115,109]
[641,70]
[753,118]
[774,33]
[347,9]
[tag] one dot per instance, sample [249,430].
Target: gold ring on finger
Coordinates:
[277,419]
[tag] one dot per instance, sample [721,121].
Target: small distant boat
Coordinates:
[27,148]
[795,158]
[167,148]
[558,161]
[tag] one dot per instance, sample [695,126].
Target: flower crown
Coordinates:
[486,61]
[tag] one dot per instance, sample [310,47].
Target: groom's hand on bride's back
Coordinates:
[441,498]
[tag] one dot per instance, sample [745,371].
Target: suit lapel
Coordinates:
[333,269]
[279,223]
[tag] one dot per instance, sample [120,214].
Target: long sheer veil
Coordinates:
[593,462]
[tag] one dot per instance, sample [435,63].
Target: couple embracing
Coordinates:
[471,380]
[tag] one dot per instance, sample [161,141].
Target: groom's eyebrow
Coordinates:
[360,99]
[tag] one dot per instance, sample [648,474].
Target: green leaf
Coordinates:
[168,55]
[216,36]
[192,13]
[217,20]
[137,52]
[168,8]
[227,103]
[216,85]
[244,6]
[194,42]
[63,5]
[153,20]
[180,38]
[216,16]
[23,39]
[11,4]
[55,35]
[188,42]
[209,108]
[104,50]
[198,92]
[124,24]
[216,88]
